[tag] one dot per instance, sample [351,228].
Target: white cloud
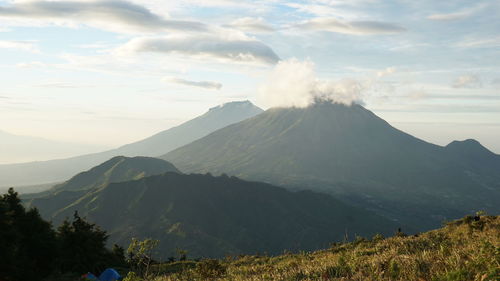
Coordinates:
[114,15]
[491,42]
[61,85]
[199,84]
[29,46]
[226,49]
[387,71]
[249,24]
[97,45]
[351,27]
[293,83]
[449,17]
[467,81]
[244,4]
[346,10]
[465,13]
[417,94]
[31,64]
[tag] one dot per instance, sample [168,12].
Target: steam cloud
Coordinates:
[294,83]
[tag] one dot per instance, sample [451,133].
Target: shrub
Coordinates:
[377,237]
[131,276]
[141,256]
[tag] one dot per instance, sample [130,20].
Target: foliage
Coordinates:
[182,254]
[30,249]
[27,242]
[82,246]
[132,276]
[466,249]
[140,256]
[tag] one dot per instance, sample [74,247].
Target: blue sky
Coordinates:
[112,72]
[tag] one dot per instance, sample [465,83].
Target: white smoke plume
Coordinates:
[294,83]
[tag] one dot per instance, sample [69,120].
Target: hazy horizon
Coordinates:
[74,148]
[108,73]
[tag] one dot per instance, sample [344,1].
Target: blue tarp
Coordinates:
[109,275]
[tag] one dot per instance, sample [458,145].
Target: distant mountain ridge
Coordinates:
[117,169]
[215,216]
[351,153]
[216,118]
[60,170]
[18,148]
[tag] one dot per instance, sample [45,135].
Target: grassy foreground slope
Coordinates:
[466,249]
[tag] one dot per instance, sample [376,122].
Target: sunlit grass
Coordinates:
[466,249]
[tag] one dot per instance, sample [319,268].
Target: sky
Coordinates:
[112,72]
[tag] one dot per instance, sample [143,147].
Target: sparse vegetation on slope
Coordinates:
[466,249]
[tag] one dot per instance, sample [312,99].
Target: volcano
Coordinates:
[356,156]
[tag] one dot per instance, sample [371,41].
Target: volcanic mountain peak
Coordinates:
[330,112]
[236,104]
[468,146]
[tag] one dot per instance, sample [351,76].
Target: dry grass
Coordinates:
[466,249]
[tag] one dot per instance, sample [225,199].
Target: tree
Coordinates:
[82,246]
[7,239]
[118,256]
[30,249]
[27,242]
